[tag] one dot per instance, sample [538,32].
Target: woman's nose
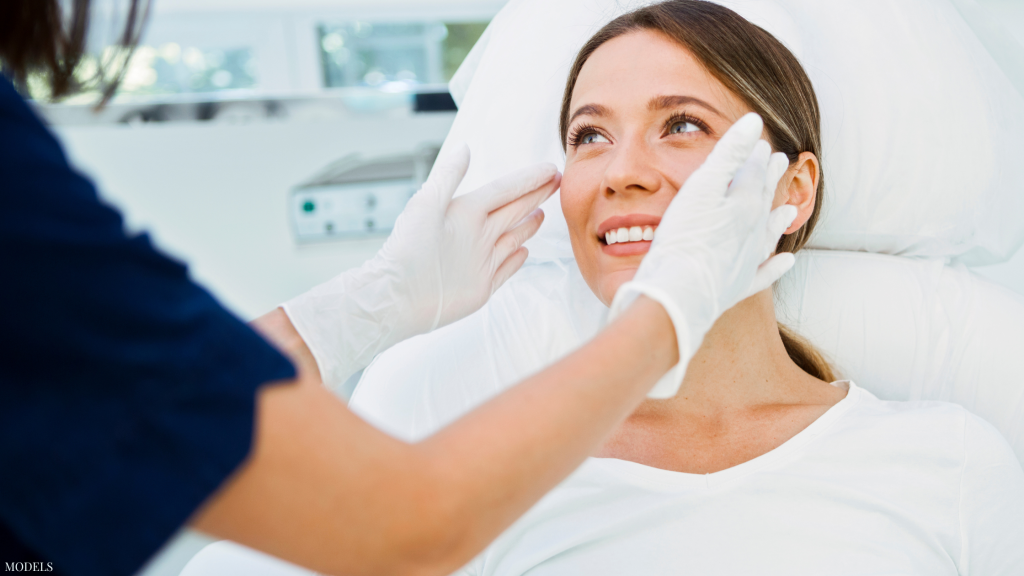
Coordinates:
[631,171]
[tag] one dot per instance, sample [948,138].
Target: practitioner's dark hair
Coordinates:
[38,36]
[764,74]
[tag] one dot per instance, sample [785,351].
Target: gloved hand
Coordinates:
[710,249]
[443,260]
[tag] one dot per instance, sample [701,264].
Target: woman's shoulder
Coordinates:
[424,383]
[920,414]
[922,424]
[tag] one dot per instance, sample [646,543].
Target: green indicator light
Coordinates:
[308,206]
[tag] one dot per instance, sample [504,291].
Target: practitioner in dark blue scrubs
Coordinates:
[122,381]
[132,404]
[126,391]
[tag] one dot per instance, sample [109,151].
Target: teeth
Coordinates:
[632,234]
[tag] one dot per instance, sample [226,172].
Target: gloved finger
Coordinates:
[447,173]
[511,187]
[509,267]
[509,215]
[730,153]
[510,241]
[770,271]
[779,221]
[750,178]
[777,166]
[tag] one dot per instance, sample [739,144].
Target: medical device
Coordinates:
[356,196]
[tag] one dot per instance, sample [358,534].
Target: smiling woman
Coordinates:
[702,67]
[645,111]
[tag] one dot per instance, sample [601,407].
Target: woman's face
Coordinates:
[644,115]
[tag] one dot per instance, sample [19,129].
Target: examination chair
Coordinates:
[922,110]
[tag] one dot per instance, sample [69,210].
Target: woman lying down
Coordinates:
[762,463]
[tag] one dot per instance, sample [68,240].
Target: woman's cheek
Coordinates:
[679,165]
[576,201]
[578,197]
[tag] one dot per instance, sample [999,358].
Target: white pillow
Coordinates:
[903,329]
[913,330]
[920,124]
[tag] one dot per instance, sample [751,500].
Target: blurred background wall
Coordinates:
[230,104]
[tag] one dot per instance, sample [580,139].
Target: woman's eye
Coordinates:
[592,138]
[683,127]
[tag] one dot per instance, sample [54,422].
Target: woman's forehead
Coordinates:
[633,70]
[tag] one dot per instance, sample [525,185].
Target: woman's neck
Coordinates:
[742,396]
[741,365]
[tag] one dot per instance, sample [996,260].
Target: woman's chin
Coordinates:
[611,283]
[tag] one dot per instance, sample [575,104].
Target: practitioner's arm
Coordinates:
[326,490]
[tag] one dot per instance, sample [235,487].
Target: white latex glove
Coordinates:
[710,249]
[442,261]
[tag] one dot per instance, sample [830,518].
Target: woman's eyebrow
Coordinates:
[589,110]
[663,102]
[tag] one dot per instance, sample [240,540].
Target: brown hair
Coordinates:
[764,74]
[36,36]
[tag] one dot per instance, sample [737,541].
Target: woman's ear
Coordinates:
[799,187]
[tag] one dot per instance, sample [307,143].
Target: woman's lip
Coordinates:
[626,248]
[627,221]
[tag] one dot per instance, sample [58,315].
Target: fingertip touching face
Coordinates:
[644,115]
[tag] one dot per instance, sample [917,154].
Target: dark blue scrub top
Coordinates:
[126,391]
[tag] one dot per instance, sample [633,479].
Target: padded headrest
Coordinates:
[903,329]
[920,123]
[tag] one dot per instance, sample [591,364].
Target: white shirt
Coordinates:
[870,488]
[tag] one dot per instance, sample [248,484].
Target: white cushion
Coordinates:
[920,124]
